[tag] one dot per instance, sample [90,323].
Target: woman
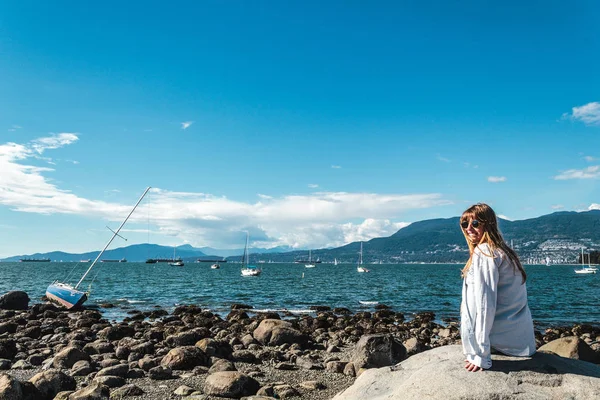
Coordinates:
[494,311]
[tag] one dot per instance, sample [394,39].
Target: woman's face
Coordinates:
[473,228]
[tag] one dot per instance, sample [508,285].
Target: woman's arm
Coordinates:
[486,293]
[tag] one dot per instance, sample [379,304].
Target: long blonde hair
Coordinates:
[491,235]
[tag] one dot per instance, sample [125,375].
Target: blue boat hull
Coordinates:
[65,295]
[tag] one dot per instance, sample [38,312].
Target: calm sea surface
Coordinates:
[556,294]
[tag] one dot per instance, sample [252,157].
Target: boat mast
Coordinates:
[246,255]
[111,239]
[360,255]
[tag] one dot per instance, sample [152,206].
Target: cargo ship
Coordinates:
[34,260]
[115,261]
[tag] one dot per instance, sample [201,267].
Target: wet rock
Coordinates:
[241,306]
[8,348]
[8,327]
[230,384]
[14,300]
[49,383]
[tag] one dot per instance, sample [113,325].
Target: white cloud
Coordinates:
[186,124]
[594,206]
[558,207]
[588,113]
[590,158]
[17,127]
[336,167]
[496,179]
[504,217]
[590,172]
[313,185]
[319,219]
[443,159]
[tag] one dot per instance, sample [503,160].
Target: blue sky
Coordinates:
[307,124]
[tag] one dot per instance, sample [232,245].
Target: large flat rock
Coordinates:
[439,374]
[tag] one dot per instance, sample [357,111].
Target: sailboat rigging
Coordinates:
[248,270]
[70,296]
[177,262]
[310,263]
[360,267]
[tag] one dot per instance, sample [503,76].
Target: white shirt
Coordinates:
[494,311]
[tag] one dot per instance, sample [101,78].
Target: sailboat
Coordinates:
[177,262]
[248,270]
[547,261]
[310,263]
[335,261]
[360,267]
[586,270]
[70,296]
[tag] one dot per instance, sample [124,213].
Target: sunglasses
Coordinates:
[474,223]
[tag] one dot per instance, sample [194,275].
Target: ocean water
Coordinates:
[557,296]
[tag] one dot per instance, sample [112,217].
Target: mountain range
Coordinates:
[559,236]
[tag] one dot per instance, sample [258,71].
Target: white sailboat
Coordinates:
[586,270]
[177,262]
[335,261]
[310,263]
[547,261]
[360,267]
[248,270]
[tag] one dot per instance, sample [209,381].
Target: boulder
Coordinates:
[49,383]
[275,332]
[68,356]
[440,374]
[8,349]
[95,391]
[230,384]
[186,357]
[127,391]
[10,388]
[571,347]
[15,300]
[374,351]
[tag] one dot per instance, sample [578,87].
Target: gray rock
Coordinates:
[230,384]
[571,347]
[95,391]
[440,374]
[49,383]
[380,350]
[126,391]
[275,332]
[110,381]
[4,364]
[184,390]
[186,357]
[115,370]
[67,357]
[81,368]
[312,385]
[160,373]
[221,365]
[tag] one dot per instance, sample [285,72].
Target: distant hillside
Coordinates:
[558,236]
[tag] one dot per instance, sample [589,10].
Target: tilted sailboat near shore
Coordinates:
[70,296]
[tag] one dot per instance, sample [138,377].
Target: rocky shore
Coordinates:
[50,353]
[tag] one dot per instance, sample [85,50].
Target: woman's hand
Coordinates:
[472,367]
